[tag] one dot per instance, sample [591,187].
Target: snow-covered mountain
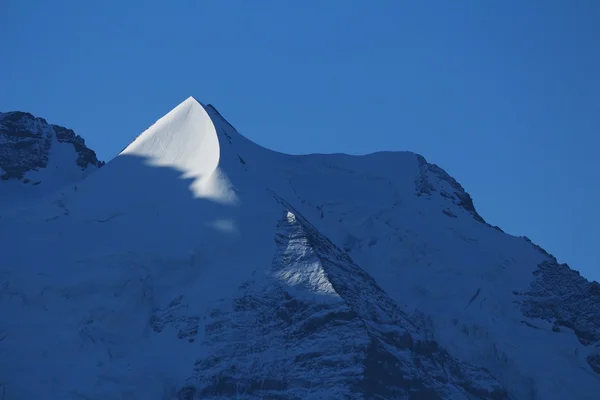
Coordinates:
[37,157]
[199,265]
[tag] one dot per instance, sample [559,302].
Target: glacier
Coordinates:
[199,265]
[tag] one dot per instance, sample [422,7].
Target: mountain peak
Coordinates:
[186,140]
[258,274]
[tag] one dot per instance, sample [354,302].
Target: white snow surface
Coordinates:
[187,212]
[185,139]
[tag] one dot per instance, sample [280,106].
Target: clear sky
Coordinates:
[504,95]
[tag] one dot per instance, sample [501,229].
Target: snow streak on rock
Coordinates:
[25,143]
[430,173]
[564,298]
[320,327]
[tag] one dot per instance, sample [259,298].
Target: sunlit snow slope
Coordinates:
[197,264]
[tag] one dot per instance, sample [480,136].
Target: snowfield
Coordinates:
[199,265]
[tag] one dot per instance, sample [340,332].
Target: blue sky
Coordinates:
[504,95]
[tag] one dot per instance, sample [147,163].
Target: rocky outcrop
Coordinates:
[319,326]
[26,141]
[563,297]
[425,186]
[174,315]
[594,361]
[85,156]
[24,144]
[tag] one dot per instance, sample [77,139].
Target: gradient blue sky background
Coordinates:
[505,95]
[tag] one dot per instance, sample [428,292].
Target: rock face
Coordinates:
[431,176]
[26,145]
[564,298]
[327,330]
[85,156]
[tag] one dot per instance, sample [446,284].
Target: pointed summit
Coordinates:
[185,139]
[182,145]
[257,274]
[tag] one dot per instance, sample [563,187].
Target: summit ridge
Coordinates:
[197,264]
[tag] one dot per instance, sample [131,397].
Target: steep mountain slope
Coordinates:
[37,157]
[187,268]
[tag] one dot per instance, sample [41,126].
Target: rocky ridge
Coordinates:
[26,142]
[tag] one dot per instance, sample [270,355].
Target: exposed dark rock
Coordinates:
[449,213]
[594,362]
[496,227]
[425,186]
[563,297]
[174,316]
[187,393]
[85,155]
[25,143]
[215,113]
[539,248]
[286,339]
